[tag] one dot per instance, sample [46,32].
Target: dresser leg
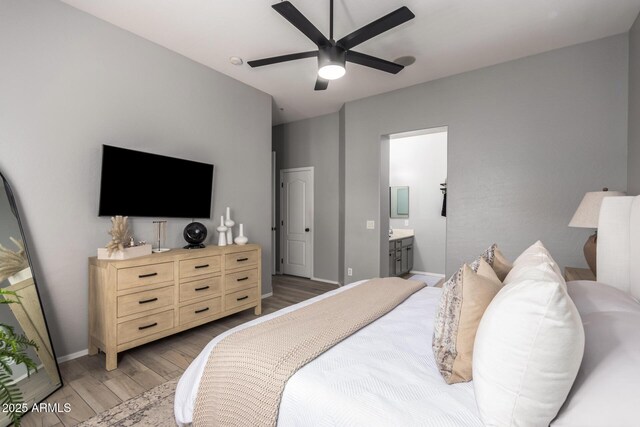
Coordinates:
[93,350]
[112,361]
[258,310]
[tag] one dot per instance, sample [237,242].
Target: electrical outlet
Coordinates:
[371,225]
[406,222]
[349,271]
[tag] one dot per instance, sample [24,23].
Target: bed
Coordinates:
[385,373]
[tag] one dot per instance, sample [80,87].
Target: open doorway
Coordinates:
[417,204]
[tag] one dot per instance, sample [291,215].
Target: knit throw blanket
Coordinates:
[246,373]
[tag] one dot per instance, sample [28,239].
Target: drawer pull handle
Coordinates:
[202,266]
[202,310]
[148,326]
[242,279]
[241,298]
[142,276]
[144,301]
[242,259]
[202,288]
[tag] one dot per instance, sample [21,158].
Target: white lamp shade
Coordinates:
[588,212]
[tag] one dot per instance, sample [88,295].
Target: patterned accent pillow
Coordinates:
[445,328]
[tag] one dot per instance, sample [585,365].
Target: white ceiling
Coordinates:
[447,37]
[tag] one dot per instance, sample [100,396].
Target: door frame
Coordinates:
[274,224]
[313,228]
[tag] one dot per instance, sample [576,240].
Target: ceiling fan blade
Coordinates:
[293,15]
[321,84]
[379,26]
[282,58]
[373,62]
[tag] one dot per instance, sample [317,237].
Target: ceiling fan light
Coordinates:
[331,71]
[331,60]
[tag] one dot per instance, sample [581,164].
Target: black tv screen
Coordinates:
[134,183]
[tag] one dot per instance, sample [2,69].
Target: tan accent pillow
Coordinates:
[501,265]
[462,305]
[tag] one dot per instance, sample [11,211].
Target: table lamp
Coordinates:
[587,216]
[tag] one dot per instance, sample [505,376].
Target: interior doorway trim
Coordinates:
[384,197]
[275,265]
[312,217]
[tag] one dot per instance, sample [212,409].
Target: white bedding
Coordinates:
[383,375]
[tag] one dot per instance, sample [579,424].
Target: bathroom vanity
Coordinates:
[400,252]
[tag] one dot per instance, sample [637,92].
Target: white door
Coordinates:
[296,221]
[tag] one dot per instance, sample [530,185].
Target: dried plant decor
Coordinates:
[120,234]
[12,262]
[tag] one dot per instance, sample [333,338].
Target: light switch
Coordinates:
[406,222]
[371,225]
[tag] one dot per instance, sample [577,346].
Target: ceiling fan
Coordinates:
[332,55]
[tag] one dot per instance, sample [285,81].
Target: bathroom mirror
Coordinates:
[399,201]
[28,364]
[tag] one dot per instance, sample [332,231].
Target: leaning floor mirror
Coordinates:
[28,368]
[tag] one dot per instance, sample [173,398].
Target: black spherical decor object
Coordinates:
[194,234]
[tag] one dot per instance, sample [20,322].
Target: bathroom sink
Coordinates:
[400,233]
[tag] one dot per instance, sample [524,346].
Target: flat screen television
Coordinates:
[135,183]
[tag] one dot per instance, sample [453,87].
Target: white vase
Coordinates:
[229,223]
[126,253]
[241,239]
[20,276]
[222,230]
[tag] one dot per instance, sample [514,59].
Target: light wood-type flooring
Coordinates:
[90,389]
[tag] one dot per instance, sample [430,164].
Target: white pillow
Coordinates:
[593,297]
[605,392]
[527,353]
[534,258]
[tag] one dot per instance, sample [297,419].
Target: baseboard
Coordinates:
[25,375]
[317,279]
[270,294]
[426,273]
[72,356]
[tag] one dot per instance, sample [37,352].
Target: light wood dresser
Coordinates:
[139,300]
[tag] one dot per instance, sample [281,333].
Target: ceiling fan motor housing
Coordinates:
[331,55]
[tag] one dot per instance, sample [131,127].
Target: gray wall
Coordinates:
[315,142]
[420,162]
[633,167]
[527,139]
[69,83]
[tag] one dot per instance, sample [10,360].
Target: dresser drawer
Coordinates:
[240,280]
[143,301]
[240,259]
[145,275]
[199,310]
[236,299]
[145,326]
[199,266]
[200,288]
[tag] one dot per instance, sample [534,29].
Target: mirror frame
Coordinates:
[13,204]
[393,202]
